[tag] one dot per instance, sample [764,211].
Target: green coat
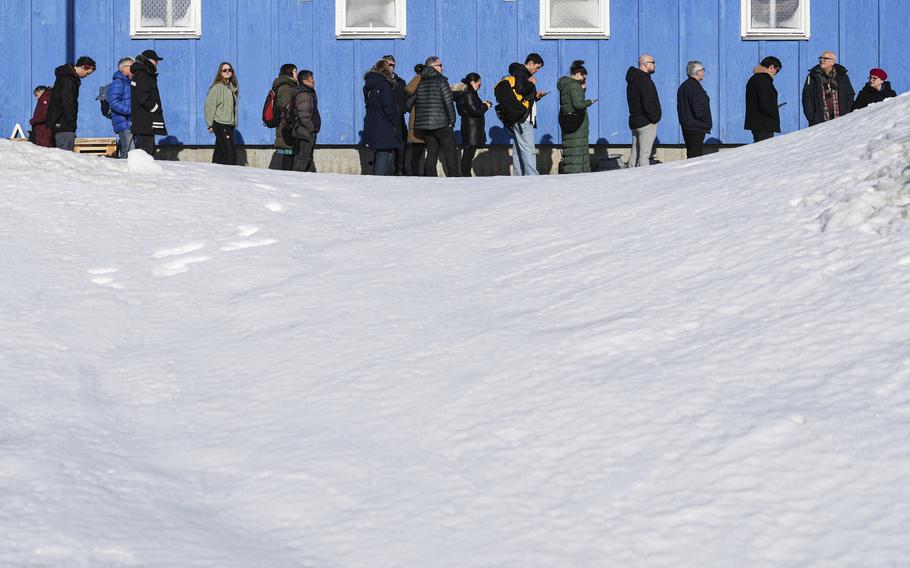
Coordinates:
[285,88]
[221,105]
[575,157]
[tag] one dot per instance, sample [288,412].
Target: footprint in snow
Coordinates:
[177,251]
[102,277]
[275,206]
[178,265]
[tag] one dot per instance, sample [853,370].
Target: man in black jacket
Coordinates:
[644,110]
[827,93]
[148,116]
[308,122]
[762,110]
[694,109]
[435,117]
[524,138]
[401,99]
[63,111]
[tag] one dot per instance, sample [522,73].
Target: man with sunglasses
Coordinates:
[63,111]
[827,93]
[401,100]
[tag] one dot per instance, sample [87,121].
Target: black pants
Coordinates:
[282,162]
[225,151]
[759,135]
[417,152]
[400,160]
[303,161]
[695,143]
[146,143]
[441,141]
[467,160]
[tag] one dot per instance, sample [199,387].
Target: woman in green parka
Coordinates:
[221,114]
[573,120]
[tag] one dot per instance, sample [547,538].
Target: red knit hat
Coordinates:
[880,73]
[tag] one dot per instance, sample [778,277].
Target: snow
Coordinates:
[704,363]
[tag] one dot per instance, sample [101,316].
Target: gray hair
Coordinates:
[431,60]
[123,61]
[693,67]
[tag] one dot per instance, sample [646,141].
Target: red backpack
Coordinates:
[271,113]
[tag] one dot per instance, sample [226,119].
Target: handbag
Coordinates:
[569,122]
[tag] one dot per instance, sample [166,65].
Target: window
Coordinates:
[370,18]
[775,19]
[575,19]
[172,19]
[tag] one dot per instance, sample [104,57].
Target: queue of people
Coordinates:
[414,146]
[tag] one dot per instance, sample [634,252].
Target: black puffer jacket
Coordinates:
[814,96]
[472,110]
[434,101]
[641,93]
[145,104]
[762,112]
[63,112]
[869,94]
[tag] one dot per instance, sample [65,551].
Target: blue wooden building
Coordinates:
[340,39]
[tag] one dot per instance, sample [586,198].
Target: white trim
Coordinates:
[749,32]
[601,32]
[137,31]
[342,31]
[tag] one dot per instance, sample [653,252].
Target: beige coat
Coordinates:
[414,136]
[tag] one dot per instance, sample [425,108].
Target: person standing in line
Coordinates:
[284,86]
[473,123]
[827,92]
[644,110]
[118,97]
[875,91]
[762,110]
[693,105]
[221,113]
[415,141]
[145,102]
[308,122]
[41,134]
[401,99]
[436,118]
[382,122]
[63,111]
[524,137]
[573,120]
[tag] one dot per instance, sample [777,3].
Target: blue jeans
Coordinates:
[383,162]
[127,142]
[524,158]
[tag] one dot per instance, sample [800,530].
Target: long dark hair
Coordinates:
[382,67]
[228,82]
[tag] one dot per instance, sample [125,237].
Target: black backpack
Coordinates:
[510,107]
[102,97]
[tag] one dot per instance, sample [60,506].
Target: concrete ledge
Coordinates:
[490,160]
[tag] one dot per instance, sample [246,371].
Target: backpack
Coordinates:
[102,97]
[511,108]
[271,112]
[289,113]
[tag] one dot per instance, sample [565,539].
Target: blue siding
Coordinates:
[257,36]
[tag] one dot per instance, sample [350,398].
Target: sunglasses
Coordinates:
[227,70]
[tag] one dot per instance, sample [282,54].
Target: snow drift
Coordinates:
[704,363]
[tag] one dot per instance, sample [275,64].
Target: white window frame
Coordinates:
[138,31]
[549,32]
[748,32]
[343,31]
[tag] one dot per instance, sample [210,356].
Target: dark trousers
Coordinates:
[146,143]
[467,160]
[282,162]
[383,162]
[695,143]
[400,160]
[65,140]
[759,135]
[225,151]
[441,141]
[417,152]
[303,161]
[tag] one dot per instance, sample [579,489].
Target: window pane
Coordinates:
[575,13]
[167,13]
[370,14]
[775,14]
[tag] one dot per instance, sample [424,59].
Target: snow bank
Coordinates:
[703,363]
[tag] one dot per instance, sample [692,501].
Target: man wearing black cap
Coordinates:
[63,111]
[148,117]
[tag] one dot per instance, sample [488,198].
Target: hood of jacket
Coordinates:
[120,76]
[373,79]
[459,90]
[307,89]
[840,69]
[565,81]
[429,72]
[516,69]
[64,70]
[636,74]
[761,69]
[282,80]
[143,64]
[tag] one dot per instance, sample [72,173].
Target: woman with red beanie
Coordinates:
[876,90]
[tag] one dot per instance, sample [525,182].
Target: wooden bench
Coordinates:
[96,146]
